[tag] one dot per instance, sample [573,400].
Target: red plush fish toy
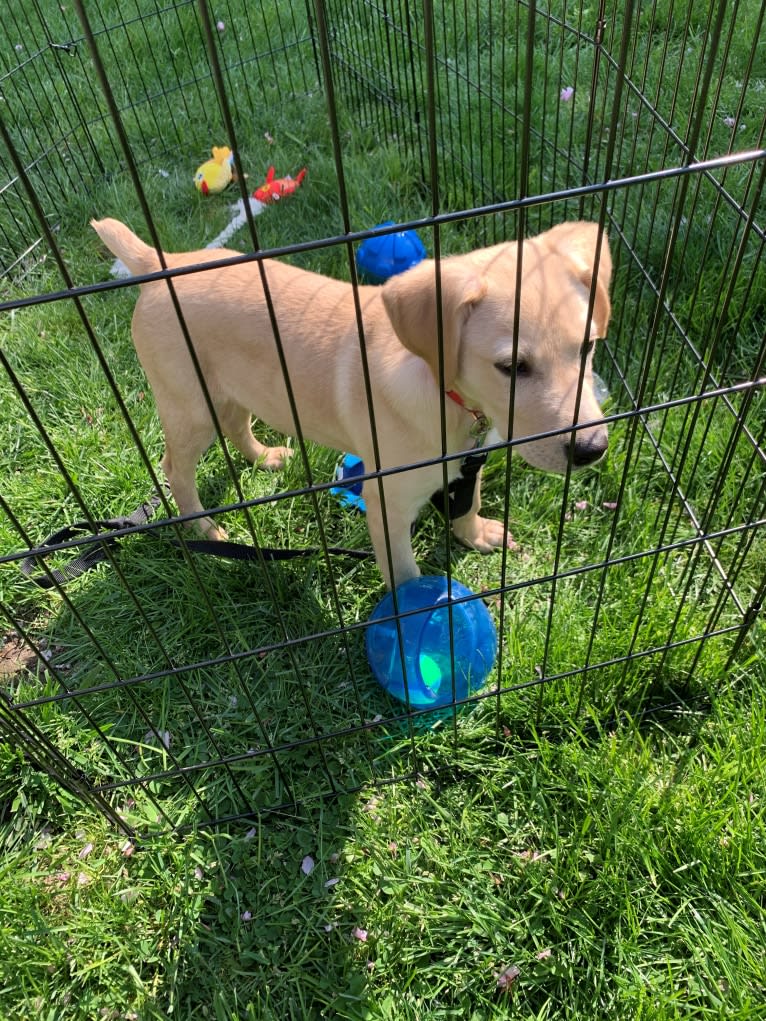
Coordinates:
[273,189]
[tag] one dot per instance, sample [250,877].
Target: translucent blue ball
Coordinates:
[384,257]
[426,639]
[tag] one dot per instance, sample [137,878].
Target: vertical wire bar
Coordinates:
[430,56]
[413,24]
[485,192]
[97,645]
[43,753]
[455,166]
[682,188]
[594,91]
[213,54]
[608,162]
[314,500]
[190,347]
[491,107]
[717,486]
[522,189]
[503,127]
[324,51]
[21,715]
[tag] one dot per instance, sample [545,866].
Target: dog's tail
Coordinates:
[131,250]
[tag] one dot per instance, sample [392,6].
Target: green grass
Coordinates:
[616,859]
[621,872]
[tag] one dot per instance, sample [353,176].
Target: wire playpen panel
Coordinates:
[210,690]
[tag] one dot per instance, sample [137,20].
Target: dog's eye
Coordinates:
[523,368]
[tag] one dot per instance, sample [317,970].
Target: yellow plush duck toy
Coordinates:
[216,174]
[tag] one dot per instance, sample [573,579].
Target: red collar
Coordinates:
[455,396]
[481,424]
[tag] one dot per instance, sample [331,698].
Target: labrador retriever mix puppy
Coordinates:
[229,316]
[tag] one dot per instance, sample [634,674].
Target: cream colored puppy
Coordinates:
[226,312]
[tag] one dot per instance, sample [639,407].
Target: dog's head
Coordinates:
[562,272]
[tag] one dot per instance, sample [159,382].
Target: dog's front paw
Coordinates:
[274,458]
[482,534]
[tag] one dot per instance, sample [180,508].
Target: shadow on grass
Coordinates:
[217,701]
[188,697]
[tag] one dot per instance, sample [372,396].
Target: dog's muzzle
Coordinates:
[587,450]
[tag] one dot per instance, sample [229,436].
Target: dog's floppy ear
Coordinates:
[578,242]
[410,301]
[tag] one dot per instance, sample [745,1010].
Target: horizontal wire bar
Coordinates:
[413,714]
[511,205]
[289,494]
[677,545]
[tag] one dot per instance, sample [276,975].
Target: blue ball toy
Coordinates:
[382,257]
[426,639]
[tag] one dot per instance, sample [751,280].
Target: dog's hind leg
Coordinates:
[184,446]
[236,424]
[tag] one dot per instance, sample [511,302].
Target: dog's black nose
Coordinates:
[587,451]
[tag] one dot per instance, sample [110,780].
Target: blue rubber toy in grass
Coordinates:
[426,642]
[379,258]
[348,491]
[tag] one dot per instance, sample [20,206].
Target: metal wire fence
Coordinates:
[211,690]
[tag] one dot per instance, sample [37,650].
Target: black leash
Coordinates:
[93,555]
[97,552]
[460,496]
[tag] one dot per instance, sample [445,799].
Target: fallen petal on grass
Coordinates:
[360,934]
[507,978]
[307,865]
[163,737]
[529,855]
[566,94]
[57,878]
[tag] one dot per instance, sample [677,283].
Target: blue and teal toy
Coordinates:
[426,642]
[349,492]
[379,258]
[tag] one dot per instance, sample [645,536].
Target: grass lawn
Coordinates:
[591,847]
